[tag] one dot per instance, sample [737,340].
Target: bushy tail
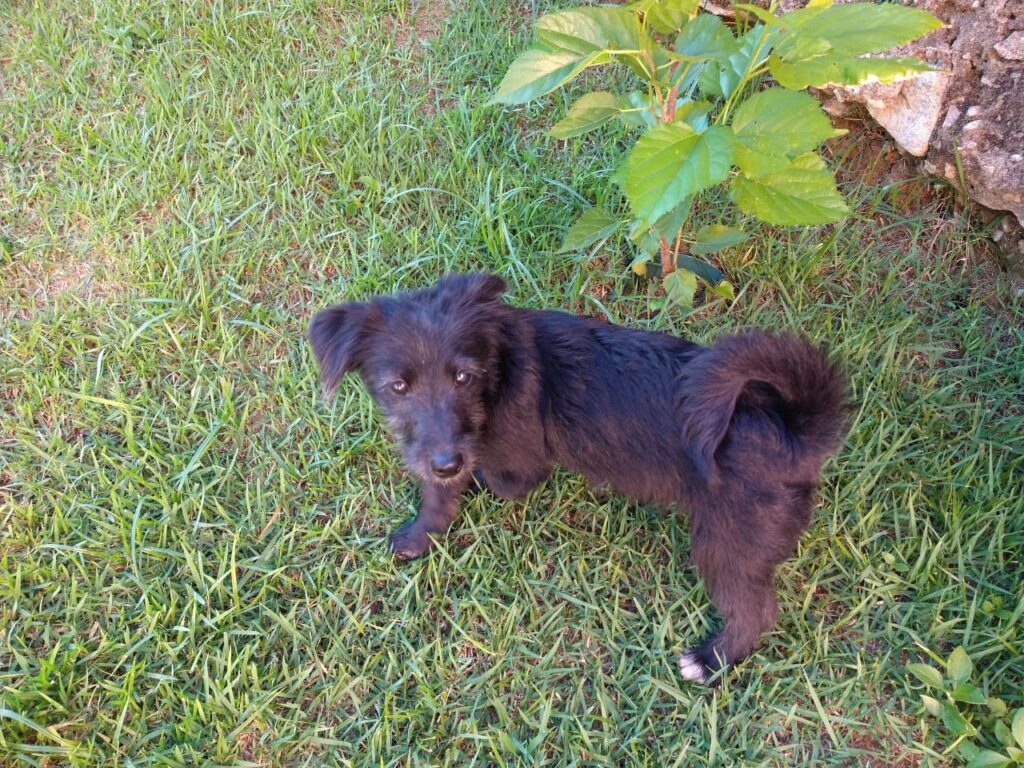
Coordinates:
[787,382]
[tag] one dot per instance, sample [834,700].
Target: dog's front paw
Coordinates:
[410,541]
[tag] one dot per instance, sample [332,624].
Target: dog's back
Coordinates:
[651,413]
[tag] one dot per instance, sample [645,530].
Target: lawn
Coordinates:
[193,564]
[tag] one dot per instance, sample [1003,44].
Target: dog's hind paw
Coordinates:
[692,668]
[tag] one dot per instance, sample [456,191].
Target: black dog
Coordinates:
[734,434]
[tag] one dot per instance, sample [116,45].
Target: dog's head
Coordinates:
[429,359]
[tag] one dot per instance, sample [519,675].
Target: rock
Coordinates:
[1012,47]
[973,106]
[908,110]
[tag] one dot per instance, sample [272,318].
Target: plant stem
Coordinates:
[667,265]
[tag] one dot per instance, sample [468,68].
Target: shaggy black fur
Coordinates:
[734,434]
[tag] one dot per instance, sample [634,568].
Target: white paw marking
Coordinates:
[692,669]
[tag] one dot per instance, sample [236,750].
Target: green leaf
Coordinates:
[671,162]
[537,72]
[667,225]
[724,290]
[586,30]
[701,269]
[639,264]
[667,16]
[931,705]
[968,693]
[968,750]
[715,237]
[1002,733]
[996,706]
[704,38]
[694,114]
[635,109]
[1018,727]
[1017,755]
[776,124]
[851,29]
[587,113]
[765,16]
[680,287]
[954,721]
[595,224]
[927,674]
[959,665]
[802,194]
[720,78]
[838,70]
[986,758]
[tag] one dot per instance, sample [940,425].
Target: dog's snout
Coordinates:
[446,465]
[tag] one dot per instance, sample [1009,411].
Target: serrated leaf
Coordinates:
[595,224]
[586,30]
[804,193]
[671,162]
[959,666]
[680,287]
[667,16]
[986,758]
[705,38]
[775,124]
[724,290]
[720,78]
[968,693]
[536,72]
[647,236]
[1017,727]
[668,224]
[694,114]
[715,237]
[851,29]
[635,109]
[953,720]
[588,112]
[764,15]
[927,674]
[932,706]
[838,70]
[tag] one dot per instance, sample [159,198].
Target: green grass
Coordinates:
[192,543]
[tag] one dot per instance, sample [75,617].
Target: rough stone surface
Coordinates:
[974,106]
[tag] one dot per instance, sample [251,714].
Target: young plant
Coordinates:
[702,117]
[970,716]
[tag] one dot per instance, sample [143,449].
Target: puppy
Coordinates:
[475,390]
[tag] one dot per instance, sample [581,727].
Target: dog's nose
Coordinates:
[446,465]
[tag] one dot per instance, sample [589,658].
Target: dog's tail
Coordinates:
[782,385]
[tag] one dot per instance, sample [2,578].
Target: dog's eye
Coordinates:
[463,377]
[399,387]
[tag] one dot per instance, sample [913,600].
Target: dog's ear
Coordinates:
[480,287]
[337,335]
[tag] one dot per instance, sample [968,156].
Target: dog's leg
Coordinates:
[439,506]
[513,485]
[741,583]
